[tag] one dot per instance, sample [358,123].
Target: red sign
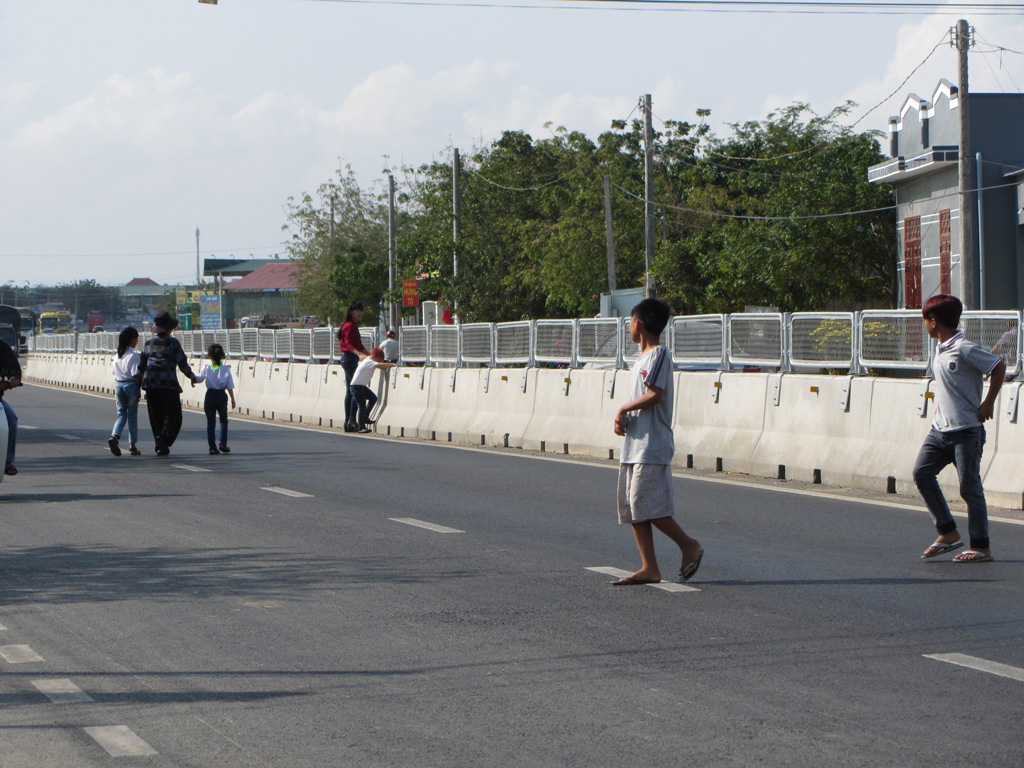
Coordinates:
[410,293]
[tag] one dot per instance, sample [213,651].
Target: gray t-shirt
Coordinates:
[959,368]
[649,438]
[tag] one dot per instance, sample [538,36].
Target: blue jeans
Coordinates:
[365,400]
[128,395]
[963,449]
[349,363]
[12,430]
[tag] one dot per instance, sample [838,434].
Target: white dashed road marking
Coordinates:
[26,426]
[68,437]
[62,691]
[190,468]
[2,628]
[982,665]
[120,741]
[19,654]
[286,492]
[422,524]
[665,586]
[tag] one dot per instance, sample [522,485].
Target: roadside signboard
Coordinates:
[410,293]
[209,311]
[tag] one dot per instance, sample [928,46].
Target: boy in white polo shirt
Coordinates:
[645,474]
[957,435]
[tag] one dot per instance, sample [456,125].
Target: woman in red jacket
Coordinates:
[352,351]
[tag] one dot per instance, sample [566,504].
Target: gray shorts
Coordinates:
[645,492]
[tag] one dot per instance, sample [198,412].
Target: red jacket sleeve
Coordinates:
[349,338]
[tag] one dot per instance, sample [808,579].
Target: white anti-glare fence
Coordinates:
[873,341]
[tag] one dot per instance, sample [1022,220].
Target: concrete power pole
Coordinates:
[456,216]
[648,197]
[392,306]
[609,239]
[968,261]
[198,270]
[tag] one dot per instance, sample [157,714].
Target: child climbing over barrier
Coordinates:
[363,396]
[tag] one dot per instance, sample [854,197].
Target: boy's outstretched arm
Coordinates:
[995,383]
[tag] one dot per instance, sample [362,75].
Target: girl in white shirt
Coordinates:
[127,392]
[219,387]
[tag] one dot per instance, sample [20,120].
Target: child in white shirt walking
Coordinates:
[220,386]
[127,392]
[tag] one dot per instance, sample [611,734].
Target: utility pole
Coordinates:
[609,240]
[392,307]
[968,262]
[456,217]
[198,271]
[648,197]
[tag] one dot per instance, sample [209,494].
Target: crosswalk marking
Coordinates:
[62,691]
[19,654]
[287,492]
[120,741]
[190,468]
[982,665]
[664,586]
[424,524]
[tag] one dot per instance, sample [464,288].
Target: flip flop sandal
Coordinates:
[940,549]
[688,571]
[976,557]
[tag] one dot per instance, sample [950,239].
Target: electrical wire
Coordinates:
[840,214]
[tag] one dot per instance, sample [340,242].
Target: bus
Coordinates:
[29,325]
[55,321]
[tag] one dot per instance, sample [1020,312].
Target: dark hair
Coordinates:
[653,315]
[944,309]
[352,308]
[125,339]
[216,353]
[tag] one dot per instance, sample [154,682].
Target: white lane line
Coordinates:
[120,741]
[62,691]
[664,586]
[287,492]
[190,468]
[423,524]
[68,437]
[2,628]
[26,426]
[19,654]
[982,665]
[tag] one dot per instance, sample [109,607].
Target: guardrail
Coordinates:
[839,342]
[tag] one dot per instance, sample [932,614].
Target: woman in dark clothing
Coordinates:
[352,351]
[161,359]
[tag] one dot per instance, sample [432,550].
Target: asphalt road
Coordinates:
[221,623]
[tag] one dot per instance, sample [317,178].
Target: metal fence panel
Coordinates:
[234,347]
[757,338]
[250,342]
[554,341]
[302,344]
[999,332]
[476,343]
[893,338]
[412,343]
[698,339]
[444,344]
[369,337]
[630,349]
[267,347]
[597,340]
[822,339]
[284,343]
[512,343]
[323,343]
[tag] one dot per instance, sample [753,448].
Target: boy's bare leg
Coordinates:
[688,546]
[644,535]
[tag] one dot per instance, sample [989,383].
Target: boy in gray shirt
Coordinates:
[645,474]
[957,435]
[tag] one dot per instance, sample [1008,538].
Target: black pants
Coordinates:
[365,400]
[216,404]
[349,363]
[164,406]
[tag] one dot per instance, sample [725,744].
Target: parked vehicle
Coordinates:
[55,321]
[96,320]
[10,327]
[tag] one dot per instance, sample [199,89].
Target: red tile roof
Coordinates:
[283,276]
[142,281]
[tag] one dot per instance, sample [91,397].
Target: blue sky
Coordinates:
[124,125]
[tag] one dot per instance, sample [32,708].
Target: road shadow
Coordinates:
[73,574]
